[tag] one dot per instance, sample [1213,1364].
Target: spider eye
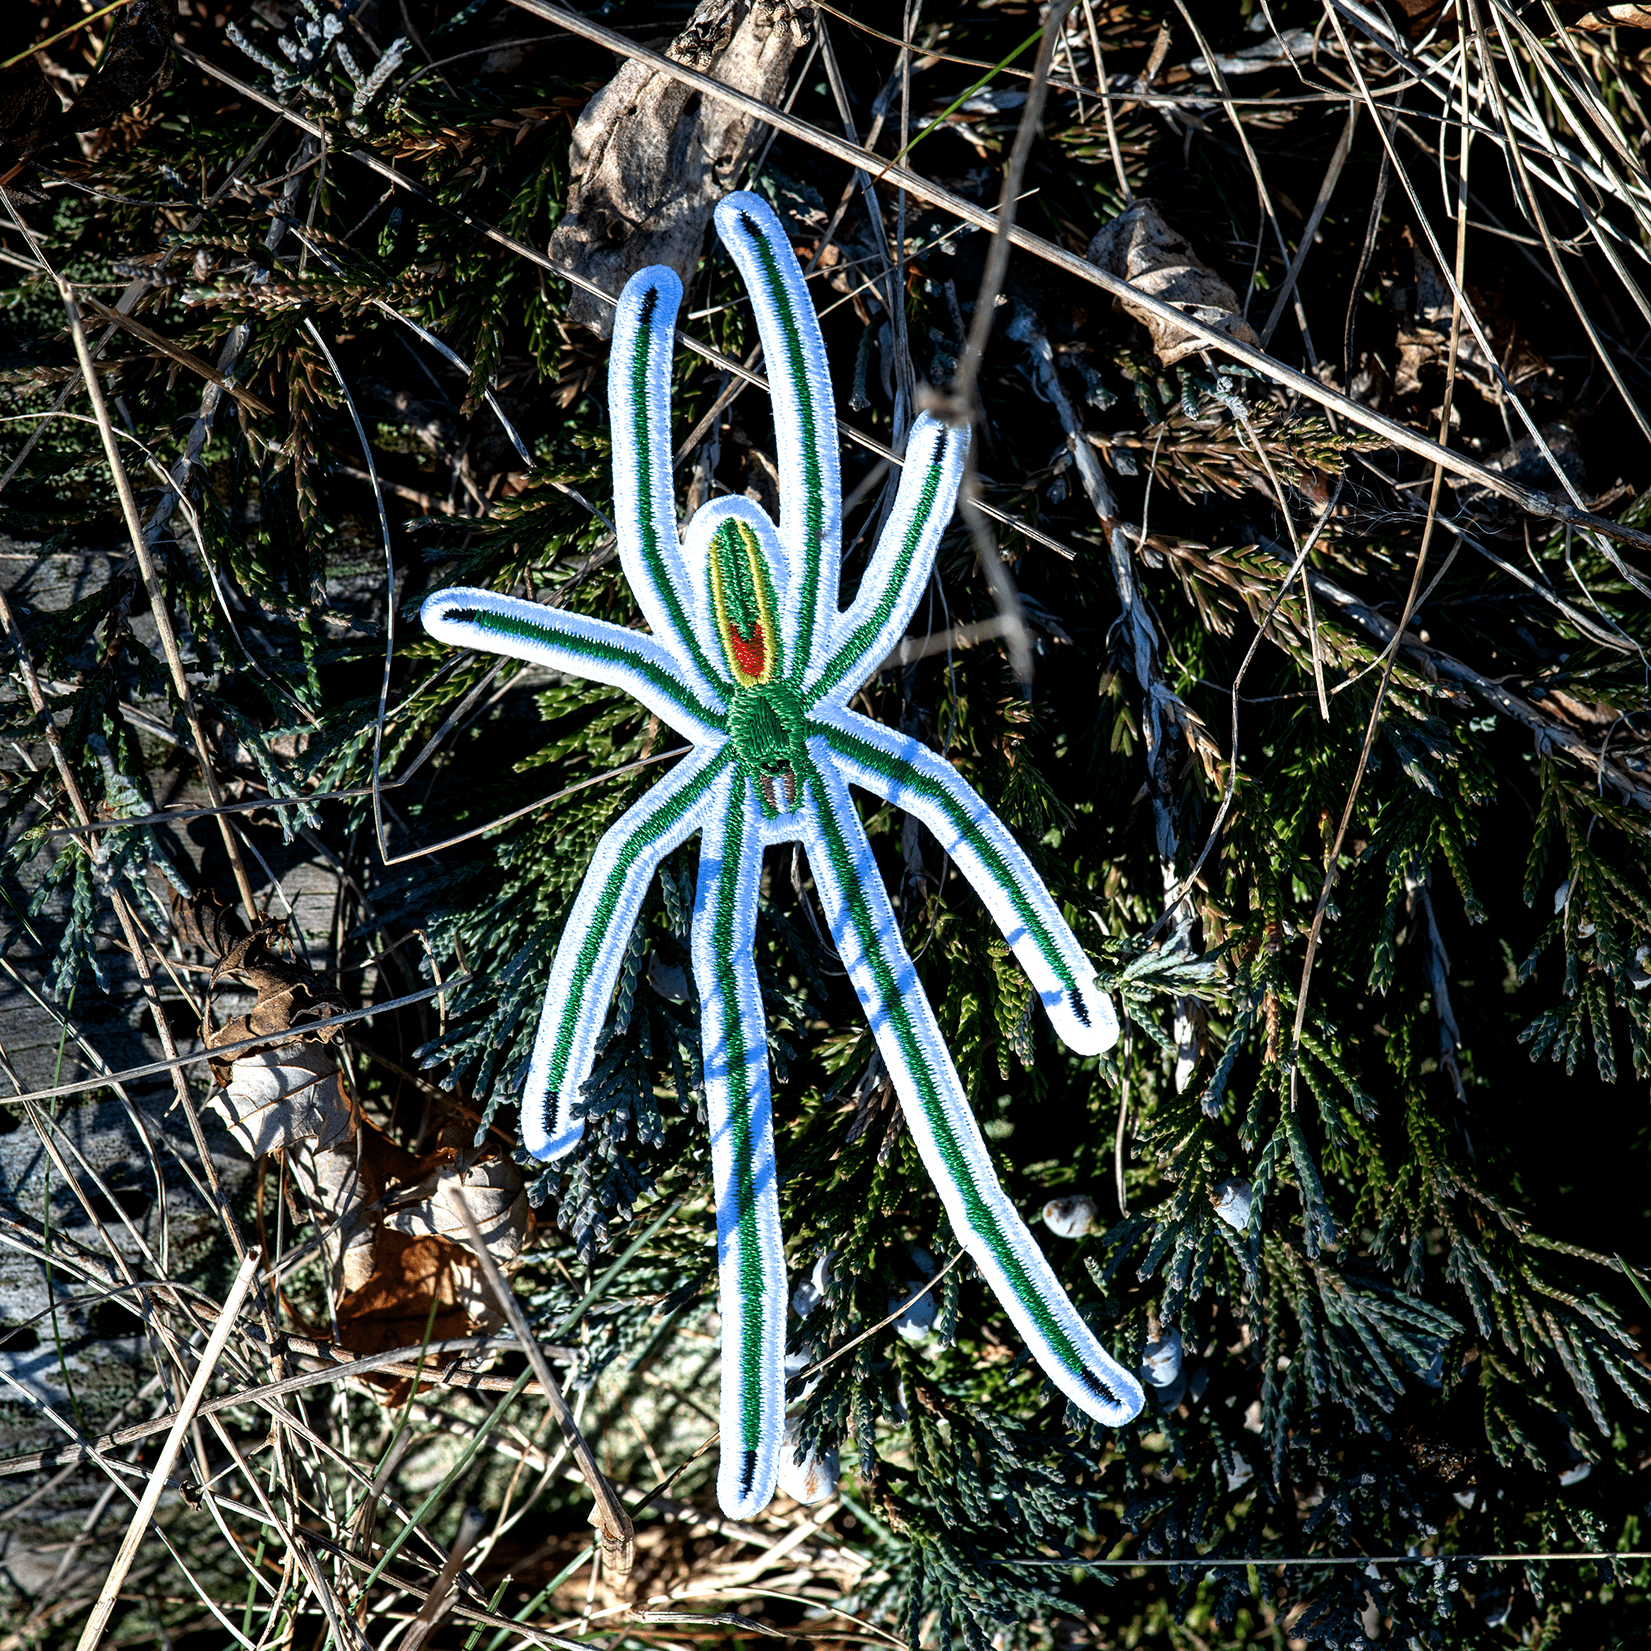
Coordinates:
[742,596]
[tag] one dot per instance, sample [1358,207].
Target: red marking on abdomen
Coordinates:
[752,656]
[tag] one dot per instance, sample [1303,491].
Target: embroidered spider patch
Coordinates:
[752,659]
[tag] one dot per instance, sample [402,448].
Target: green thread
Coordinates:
[731,552]
[982,1219]
[813,488]
[865,633]
[527,630]
[648,831]
[908,778]
[644,503]
[767,727]
[739,1120]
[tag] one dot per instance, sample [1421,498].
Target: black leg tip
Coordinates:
[1099,1388]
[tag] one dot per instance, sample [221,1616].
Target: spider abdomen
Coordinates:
[742,600]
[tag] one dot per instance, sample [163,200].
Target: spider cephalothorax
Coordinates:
[753,661]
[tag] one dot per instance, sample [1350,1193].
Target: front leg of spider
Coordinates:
[753,661]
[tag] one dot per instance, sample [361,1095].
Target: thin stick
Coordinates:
[1263,194]
[1124,190]
[1201,1562]
[1540,505]
[1332,175]
[184,358]
[167,816]
[176,1062]
[348,1367]
[62,34]
[613,1524]
[157,595]
[962,405]
[1458,312]
[150,1500]
[1295,541]
[439,1601]
[134,943]
[1123,1124]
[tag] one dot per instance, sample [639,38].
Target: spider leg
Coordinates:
[860,638]
[644,504]
[750,1252]
[905,772]
[592,948]
[570,642]
[867,935]
[805,414]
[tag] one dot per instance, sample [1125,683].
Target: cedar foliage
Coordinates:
[1429,1337]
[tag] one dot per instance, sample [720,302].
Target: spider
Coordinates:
[753,660]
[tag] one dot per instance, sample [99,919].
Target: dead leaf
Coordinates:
[392,1307]
[1141,248]
[1427,342]
[491,1186]
[293,1102]
[287,1097]
[1616,17]
[652,157]
[1525,463]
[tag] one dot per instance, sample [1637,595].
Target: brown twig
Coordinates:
[613,1524]
[150,1500]
[439,1601]
[1536,504]
[185,358]
[961,405]
[157,595]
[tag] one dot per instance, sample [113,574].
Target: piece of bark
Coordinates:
[136,61]
[1139,247]
[652,157]
[26,101]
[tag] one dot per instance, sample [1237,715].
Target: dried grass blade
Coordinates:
[610,1517]
[150,1500]
[157,596]
[1410,441]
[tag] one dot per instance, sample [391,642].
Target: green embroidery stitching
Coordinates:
[796,375]
[864,633]
[767,726]
[739,1119]
[758,725]
[647,528]
[982,1220]
[505,624]
[909,779]
[648,830]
